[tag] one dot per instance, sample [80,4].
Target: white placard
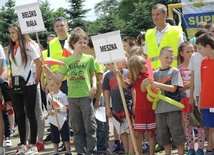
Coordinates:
[100,114]
[52,119]
[108,47]
[30,18]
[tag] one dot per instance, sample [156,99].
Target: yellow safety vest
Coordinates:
[170,38]
[56,51]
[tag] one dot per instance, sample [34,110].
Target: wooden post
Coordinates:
[126,111]
[42,82]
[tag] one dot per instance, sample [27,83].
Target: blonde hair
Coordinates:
[135,66]
[136,50]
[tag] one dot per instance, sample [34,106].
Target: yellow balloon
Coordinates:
[171,101]
[149,98]
[149,90]
[155,103]
[155,97]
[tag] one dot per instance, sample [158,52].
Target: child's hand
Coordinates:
[154,84]
[50,112]
[108,112]
[191,101]
[57,109]
[147,81]
[96,104]
[92,92]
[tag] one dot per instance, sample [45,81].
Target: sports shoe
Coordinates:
[31,150]
[2,151]
[191,152]
[40,146]
[159,148]
[145,148]
[15,134]
[115,149]
[200,152]
[62,148]
[122,150]
[22,149]
[208,153]
[26,146]
[8,142]
[48,138]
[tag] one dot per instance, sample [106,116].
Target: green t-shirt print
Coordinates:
[78,71]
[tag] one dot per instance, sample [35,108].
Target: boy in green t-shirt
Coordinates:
[82,86]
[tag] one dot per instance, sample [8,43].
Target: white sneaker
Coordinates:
[2,151]
[8,142]
[22,150]
[31,150]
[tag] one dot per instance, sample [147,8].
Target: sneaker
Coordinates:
[26,146]
[122,150]
[208,153]
[22,149]
[15,134]
[31,150]
[62,148]
[200,152]
[174,146]
[191,152]
[40,146]
[2,151]
[115,149]
[8,142]
[48,138]
[186,147]
[159,148]
[145,148]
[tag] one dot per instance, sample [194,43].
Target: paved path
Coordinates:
[49,149]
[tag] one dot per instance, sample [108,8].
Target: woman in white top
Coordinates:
[22,55]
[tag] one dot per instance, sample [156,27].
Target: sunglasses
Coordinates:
[59,19]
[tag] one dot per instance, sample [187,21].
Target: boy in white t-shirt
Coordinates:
[195,87]
[61,105]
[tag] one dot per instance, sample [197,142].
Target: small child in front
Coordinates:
[168,117]
[61,105]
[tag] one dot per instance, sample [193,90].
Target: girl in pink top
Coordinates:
[185,52]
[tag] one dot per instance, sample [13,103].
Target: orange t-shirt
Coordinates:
[207,83]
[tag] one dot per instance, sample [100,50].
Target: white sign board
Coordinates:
[108,47]
[30,18]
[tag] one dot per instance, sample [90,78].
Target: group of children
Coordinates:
[184,84]
[190,83]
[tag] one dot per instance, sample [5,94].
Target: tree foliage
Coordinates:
[7,17]
[76,13]
[128,16]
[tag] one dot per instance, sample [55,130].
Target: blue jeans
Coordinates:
[101,131]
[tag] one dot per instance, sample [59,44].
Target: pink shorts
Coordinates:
[144,121]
